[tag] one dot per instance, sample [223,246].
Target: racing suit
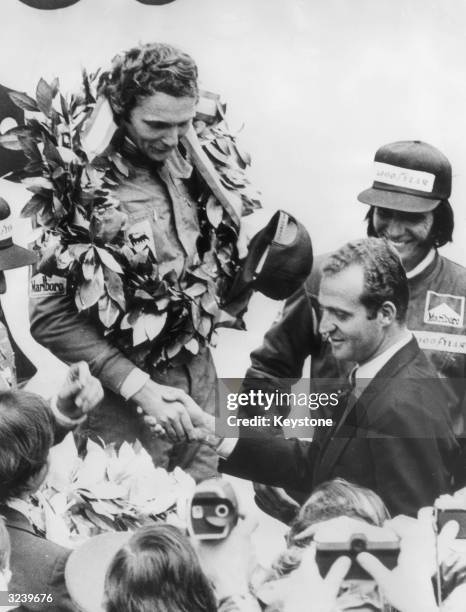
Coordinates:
[162,216]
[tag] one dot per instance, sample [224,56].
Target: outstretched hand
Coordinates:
[80,393]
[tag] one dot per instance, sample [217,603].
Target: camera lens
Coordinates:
[358,544]
[222,510]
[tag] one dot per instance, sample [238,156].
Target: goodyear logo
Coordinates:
[444,309]
[43,286]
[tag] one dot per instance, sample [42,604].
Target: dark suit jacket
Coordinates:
[396,439]
[37,565]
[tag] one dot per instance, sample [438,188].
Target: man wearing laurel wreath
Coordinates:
[138,256]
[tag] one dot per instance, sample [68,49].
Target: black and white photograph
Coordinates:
[232,306]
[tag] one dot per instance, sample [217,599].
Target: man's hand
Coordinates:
[408,587]
[304,589]
[178,413]
[81,392]
[275,502]
[167,409]
[204,425]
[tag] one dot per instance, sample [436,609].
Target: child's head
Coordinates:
[157,570]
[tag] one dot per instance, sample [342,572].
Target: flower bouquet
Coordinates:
[106,490]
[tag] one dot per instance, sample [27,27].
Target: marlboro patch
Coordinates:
[444,309]
[44,286]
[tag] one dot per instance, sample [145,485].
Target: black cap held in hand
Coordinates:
[279,259]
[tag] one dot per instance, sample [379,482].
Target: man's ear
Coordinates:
[387,313]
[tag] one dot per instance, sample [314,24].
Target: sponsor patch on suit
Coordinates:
[140,236]
[444,309]
[43,286]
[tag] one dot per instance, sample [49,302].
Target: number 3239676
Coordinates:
[20,598]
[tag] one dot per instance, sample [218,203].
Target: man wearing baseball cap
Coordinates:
[409,205]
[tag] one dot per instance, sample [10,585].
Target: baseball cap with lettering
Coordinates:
[409,175]
[11,255]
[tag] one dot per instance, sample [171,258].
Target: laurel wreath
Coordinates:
[154,319]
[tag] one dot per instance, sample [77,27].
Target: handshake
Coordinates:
[171,412]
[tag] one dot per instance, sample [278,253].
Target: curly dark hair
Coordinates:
[384,276]
[157,569]
[442,226]
[145,70]
[26,435]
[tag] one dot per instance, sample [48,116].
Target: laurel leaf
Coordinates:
[214,211]
[89,292]
[44,96]
[192,346]
[88,266]
[154,323]
[108,260]
[22,100]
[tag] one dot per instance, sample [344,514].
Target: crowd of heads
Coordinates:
[158,567]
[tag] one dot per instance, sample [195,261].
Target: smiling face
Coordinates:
[408,232]
[157,123]
[344,319]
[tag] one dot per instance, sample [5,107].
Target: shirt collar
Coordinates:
[368,370]
[422,265]
[20,505]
